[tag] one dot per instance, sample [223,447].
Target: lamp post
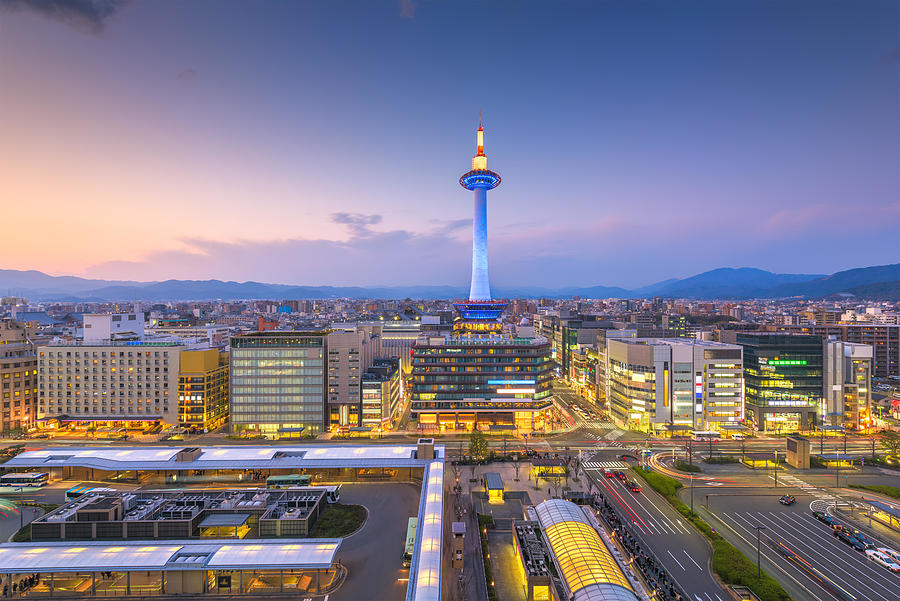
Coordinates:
[776,468]
[692,494]
[758,568]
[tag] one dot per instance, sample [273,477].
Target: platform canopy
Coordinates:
[131,556]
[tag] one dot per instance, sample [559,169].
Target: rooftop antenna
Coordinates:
[480,123]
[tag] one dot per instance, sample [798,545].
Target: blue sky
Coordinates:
[320,142]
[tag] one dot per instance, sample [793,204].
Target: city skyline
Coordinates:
[265,145]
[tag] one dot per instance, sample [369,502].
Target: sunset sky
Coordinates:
[321,142]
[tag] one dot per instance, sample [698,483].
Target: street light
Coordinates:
[758,568]
[692,494]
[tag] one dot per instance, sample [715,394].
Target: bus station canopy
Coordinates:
[89,556]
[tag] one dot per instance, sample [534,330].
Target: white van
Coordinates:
[883,560]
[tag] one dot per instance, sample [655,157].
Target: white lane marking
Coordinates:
[676,561]
[774,518]
[881,577]
[692,560]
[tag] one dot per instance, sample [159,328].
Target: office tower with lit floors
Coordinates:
[479,376]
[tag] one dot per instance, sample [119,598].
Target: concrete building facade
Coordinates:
[203,390]
[675,385]
[114,382]
[18,378]
[847,386]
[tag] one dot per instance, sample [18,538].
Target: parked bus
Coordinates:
[410,542]
[288,481]
[705,436]
[82,489]
[27,479]
[332,493]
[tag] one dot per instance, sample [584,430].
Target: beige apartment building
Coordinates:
[122,384]
[350,354]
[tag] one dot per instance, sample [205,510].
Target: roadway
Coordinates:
[736,517]
[682,551]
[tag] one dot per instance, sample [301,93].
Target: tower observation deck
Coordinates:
[480,310]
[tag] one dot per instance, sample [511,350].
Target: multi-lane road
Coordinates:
[839,566]
[683,552]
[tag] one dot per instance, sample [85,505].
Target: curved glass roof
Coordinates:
[588,568]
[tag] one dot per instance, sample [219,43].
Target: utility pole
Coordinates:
[758,565]
[776,468]
[692,493]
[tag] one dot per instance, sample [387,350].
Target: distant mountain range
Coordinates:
[881,282]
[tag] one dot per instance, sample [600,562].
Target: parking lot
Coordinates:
[811,540]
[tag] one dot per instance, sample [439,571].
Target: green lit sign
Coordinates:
[787,362]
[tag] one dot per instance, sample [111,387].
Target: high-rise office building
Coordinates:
[350,354]
[783,379]
[278,383]
[478,377]
[203,390]
[848,384]
[18,378]
[667,386]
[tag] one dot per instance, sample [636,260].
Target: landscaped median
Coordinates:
[729,563]
[888,491]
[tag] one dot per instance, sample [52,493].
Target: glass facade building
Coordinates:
[278,382]
[783,379]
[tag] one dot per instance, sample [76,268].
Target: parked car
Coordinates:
[787,499]
[634,486]
[883,560]
[824,517]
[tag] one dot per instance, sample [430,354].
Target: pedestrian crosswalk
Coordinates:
[610,465]
[806,487]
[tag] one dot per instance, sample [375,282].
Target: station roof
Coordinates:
[425,569]
[86,556]
[587,566]
[888,509]
[236,457]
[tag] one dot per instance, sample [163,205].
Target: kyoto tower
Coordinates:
[480,312]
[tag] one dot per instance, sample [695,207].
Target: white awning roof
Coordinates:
[236,457]
[67,556]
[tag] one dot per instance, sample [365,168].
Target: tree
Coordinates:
[478,445]
[890,440]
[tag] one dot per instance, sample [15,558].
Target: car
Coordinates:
[894,555]
[851,540]
[634,486]
[787,499]
[865,540]
[883,560]
[621,475]
[608,473]
[824,517]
